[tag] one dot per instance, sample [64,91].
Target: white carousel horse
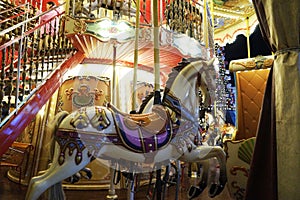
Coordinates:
[168,133]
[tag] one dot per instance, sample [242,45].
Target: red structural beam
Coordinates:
[15,126]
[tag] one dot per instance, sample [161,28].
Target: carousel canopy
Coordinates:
[232,18]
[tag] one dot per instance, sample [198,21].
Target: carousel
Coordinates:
[120,95]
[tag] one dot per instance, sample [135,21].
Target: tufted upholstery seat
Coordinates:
[250,86]
[250,91]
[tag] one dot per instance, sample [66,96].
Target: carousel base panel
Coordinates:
[15,191]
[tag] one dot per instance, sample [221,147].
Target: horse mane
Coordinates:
[171,77]
[175,71]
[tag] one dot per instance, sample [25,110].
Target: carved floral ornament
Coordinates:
[72,25]
[83,96]
[79,26]
[259,62]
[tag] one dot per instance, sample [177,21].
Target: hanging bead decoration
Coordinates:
[225,98]
[184,17]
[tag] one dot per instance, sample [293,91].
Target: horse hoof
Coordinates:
[215,190]
[87,173]
[74,178]
[194,192]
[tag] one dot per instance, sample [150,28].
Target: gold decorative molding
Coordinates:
[74,26]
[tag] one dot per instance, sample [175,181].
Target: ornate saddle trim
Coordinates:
[172,102]
[140,140]
[144,137]
[79,140]
[71,141]
[154,122]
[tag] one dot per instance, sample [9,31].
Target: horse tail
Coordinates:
[56,192]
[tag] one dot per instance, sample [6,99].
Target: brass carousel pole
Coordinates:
[248,37]
[112,192]
[136,54]
[206,41]
[205,23]
[212,19]
[157,99]
[114,81]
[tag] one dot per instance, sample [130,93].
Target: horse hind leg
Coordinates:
[215,154]
[207,152]
[220,172]
[55,174]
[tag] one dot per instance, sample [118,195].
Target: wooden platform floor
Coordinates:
[10,190]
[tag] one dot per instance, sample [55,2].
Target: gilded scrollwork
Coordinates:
[259,62]
[69,92]
[79,26]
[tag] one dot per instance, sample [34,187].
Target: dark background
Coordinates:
[238,49]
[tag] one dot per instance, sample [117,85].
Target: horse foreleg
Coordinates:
[214,175]
[206,152]
[217,187]
[56,173]
[220,170]
[196,190]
